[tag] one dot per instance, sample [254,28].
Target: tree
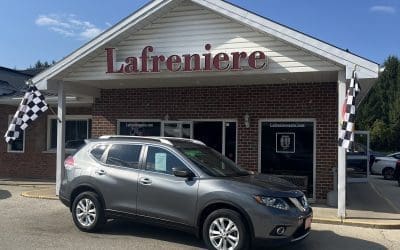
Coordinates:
[42,65]
[380,110]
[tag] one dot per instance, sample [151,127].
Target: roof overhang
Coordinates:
[47,80]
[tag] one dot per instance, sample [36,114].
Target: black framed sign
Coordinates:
[285,142]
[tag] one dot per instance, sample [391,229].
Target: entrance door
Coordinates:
[180,129]
[287,151]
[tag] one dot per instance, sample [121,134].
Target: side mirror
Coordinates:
[182,173]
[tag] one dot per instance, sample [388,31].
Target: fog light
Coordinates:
[280,230]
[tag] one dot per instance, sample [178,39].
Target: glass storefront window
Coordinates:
[76,131]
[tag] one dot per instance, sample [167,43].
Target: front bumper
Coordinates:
[294,222]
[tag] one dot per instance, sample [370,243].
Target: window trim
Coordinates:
[67,118]
[23,140]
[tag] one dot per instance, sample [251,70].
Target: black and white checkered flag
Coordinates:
[31,106]
[346,137]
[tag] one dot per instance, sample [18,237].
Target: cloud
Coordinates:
[69,26]
[90,33]
[383,9]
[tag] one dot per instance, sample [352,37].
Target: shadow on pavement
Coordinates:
[4,194]
[329,240]
[317,240]
[119,227]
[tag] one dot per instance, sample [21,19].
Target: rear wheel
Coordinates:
[388,173]
[87,212]
[225,229]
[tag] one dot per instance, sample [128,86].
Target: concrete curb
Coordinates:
[36,194]
[26,184]
[349,222]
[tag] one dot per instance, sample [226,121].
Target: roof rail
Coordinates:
[185,139]
[164,140]
[159,139]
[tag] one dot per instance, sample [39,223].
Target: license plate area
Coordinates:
[307,222]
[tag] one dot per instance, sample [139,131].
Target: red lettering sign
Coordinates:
[187,63]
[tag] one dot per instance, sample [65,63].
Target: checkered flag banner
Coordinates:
[31,106]
[346,137]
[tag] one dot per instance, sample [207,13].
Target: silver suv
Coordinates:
[183,184]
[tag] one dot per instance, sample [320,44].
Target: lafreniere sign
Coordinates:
[234,61]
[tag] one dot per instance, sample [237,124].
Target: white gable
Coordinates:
[185,30]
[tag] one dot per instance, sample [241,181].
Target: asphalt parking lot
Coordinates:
[389,189]
[27,223]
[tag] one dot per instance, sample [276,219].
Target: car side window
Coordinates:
[98,151]
[162,161]
[397,156]
[124,155]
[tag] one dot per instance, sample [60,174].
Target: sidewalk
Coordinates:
[26,182]
[366,207]
[42,189]
[371,204]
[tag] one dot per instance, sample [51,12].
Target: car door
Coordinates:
[118,175]
[162,195]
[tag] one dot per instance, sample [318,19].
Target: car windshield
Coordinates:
[212,162]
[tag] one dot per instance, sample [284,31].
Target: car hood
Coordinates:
[269,184]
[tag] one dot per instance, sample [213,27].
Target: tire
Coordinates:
[238,230]
[398,181]
[388,173]
[93,217]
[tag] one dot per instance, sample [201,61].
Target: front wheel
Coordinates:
[225,229]
[87,212]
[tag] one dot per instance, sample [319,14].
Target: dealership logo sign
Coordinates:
[285,142]
[205,62]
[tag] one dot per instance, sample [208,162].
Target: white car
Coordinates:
[385,165]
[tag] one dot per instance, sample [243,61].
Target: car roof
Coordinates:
[171,141]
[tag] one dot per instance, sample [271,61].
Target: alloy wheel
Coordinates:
[224,234]
[85,212]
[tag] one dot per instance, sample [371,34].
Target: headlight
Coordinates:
[274,202]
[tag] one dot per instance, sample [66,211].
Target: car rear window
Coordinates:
[124,155]
[98,151]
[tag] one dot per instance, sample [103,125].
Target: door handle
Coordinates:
[145,181]
[100,172]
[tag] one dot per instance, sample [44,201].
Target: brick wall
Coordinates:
[316,100]
[34,162]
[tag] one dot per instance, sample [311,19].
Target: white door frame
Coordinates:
[314,121]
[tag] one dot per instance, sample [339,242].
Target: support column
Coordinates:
[60,136]
[341,151]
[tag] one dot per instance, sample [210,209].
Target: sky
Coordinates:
[49,30]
